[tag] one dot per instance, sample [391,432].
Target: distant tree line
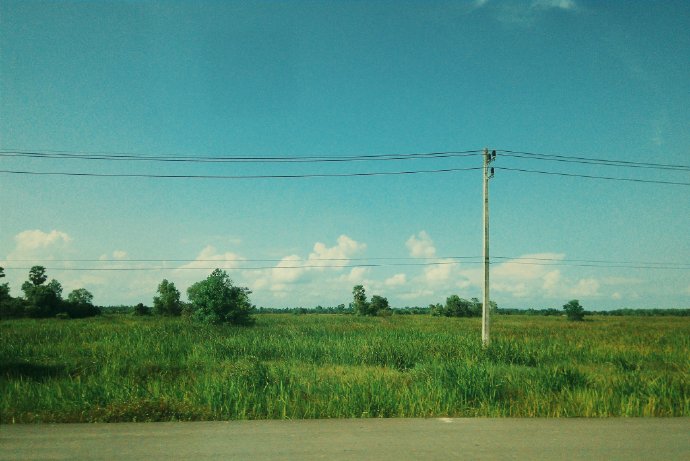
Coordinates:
[459,307]
[615,312]
[217,300]
[42,300]
[644,312]
[339,309]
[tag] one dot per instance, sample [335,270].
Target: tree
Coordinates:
[79,304]
[436,310]
[4,288]
[574,310]
[378,306]
[37,275]
[55,287]
[9,307]
[216,300]
[360,305]
[80,296]
[168,301]
[458,307]
[42,300]
[140,309]
[359,301]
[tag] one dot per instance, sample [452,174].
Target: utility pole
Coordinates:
[488,173]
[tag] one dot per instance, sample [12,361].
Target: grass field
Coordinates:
[119,368]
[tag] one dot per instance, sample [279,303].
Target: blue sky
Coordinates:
[284,79]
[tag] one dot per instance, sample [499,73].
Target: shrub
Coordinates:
[216,300]
[140,309]
[574,310]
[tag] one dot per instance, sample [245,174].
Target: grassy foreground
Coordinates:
[117,368]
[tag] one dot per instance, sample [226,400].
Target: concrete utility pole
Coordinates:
[488,173]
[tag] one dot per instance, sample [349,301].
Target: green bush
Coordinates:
[574,310]
[216,300]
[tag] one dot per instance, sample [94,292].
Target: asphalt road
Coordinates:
[380,439]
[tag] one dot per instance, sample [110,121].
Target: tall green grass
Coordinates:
[117,368]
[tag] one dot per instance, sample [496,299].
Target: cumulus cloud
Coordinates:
[357,275]
[288,270]
[421,246]
[317,275]
[37,247]
[117,254]
[209,256]
[396,280]
[555,4]
[526,14]
[32,240]
[586,288]
[527,277]
[344,249]
[441,272]
[208,259]
[415,296]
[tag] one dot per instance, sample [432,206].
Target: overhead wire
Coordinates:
[239,177]
[347,263]
[593,161]
[234,159]
[55,154]
[587,176]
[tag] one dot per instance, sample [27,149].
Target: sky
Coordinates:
[353,81]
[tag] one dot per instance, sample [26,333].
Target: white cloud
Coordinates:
[209,258]
[32,240]
[525,13]
[441,272]
[554,4]
[530,276]
[311,277]
[421,246]
[396,280]
[117,254]
[357,275]
[586,288]
[288,270]
[345,249]
[551,280]
[35,247]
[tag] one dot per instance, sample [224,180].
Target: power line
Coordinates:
[304,266]
[410,258]
[451,260]
[608,178]
[343,266]
[507,259]
[277,176]
[593,161]
[232,159]
[332,175]
[319,159]
[120,156]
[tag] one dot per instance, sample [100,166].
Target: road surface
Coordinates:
[380,439]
